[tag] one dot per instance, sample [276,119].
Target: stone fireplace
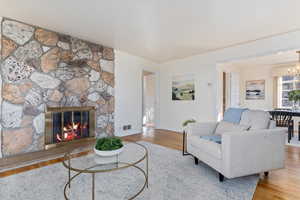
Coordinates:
[42,70]
[68,124]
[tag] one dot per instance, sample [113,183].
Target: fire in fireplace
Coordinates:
[71,131]
[65,124]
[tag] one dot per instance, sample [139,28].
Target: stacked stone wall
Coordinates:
[41,68]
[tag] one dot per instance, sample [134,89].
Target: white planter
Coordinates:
[108,153]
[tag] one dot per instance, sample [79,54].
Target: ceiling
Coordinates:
[160,30]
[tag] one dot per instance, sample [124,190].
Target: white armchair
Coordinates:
[240,153]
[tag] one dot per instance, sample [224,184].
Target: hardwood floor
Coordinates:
[165,138]
[285,183]
[281,184]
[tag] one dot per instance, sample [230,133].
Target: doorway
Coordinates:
[149,100]
[229,89]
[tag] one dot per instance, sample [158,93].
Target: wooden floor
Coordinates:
[280,185]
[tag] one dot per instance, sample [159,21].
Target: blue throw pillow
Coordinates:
[233,115]
[213,138]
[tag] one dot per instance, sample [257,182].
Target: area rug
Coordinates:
[171,177]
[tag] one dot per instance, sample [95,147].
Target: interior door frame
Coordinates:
[224,92]
[155,98]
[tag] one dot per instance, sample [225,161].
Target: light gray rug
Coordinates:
[172,177]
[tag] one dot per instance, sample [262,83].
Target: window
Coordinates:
[286,84]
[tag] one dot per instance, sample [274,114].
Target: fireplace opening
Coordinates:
[66,124]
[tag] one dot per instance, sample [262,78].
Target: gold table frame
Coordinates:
[67,164]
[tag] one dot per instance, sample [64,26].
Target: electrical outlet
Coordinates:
[126,127]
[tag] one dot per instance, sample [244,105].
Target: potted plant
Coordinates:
[108,146]
[294,96]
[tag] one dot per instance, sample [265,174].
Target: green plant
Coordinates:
[294,96]
[108,144]
[186,122]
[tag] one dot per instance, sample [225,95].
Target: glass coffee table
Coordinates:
[133,155]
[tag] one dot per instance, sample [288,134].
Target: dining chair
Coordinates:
[283,118]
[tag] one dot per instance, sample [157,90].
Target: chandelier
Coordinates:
[295,70]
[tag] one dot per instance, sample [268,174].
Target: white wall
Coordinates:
[128,91]
[207,103]
[207,98]
[234,90]
[257,73]
[203,108]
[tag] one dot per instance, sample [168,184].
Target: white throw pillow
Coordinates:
[256,119]
[229,127]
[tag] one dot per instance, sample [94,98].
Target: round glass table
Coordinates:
[89,163]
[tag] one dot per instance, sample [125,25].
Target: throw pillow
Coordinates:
[256,119]
[233,115]
[230,127]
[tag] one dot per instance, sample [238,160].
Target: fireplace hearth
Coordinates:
[68,124]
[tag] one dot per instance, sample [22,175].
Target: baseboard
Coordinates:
[163,129]
[127,133]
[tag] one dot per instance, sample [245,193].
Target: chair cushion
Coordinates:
[224,127]
[209,147]
[233,115]
[256,119]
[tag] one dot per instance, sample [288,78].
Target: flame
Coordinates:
[75,125]
[58,137]
[70,132]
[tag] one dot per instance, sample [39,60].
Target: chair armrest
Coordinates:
[250,152]
[198,129]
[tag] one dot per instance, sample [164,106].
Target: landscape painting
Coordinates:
[183,88]
[255,90]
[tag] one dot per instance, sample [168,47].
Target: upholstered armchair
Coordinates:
[250,147]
